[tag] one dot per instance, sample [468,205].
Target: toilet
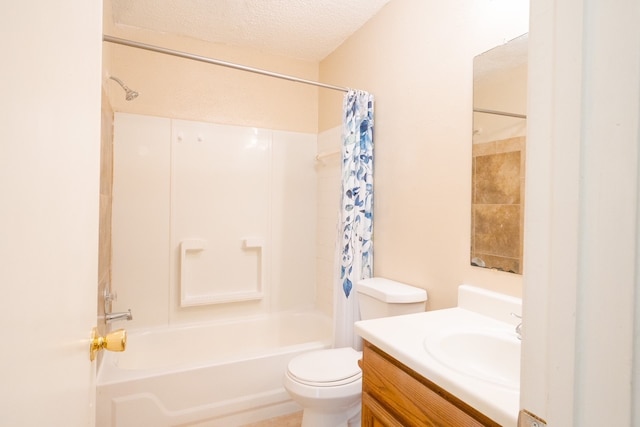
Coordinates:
[328,383]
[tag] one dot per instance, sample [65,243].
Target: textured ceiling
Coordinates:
[303,29]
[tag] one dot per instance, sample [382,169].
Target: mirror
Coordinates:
[499,140]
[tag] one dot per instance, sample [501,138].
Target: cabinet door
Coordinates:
[392,388]
[374,415]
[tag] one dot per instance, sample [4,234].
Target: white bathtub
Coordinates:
[215,375]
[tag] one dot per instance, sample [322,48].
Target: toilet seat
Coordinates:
[326,368]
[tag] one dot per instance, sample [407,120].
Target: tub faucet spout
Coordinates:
[114,317]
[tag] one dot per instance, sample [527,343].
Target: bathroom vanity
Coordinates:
[395,395]
[451,367]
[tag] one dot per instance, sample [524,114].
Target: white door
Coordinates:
[49,190]
[580,367]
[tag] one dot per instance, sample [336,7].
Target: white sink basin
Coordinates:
[488,354]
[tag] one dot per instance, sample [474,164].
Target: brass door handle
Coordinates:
[113,341]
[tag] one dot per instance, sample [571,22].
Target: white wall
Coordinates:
[140,224]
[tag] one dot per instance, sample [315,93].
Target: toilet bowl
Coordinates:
[328,383]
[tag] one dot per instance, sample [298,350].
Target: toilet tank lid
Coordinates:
[390,291]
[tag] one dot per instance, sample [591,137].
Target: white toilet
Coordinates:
[328,383]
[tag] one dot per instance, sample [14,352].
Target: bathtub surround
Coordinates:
[208,220]
[328,193]
[220,212]
[355,227]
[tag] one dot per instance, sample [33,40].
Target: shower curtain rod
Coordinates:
[499,113]
[185,55]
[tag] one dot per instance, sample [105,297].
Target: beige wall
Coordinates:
[186,89]
[416,56]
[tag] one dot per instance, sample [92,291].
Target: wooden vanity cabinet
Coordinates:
[394,395]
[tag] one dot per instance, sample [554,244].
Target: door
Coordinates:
[49,186]
[580,348]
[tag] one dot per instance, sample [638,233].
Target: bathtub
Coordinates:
[213,375]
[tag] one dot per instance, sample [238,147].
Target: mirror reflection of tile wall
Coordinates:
[498,203]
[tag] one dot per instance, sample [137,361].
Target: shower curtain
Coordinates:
[355,224]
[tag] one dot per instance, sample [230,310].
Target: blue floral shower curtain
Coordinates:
[355,226]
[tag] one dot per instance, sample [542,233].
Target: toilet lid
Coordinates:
[327,367]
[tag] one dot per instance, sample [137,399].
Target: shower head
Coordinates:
[130,94]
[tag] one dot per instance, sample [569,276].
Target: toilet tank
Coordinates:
[380,297]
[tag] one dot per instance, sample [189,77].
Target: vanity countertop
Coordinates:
[403,337]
